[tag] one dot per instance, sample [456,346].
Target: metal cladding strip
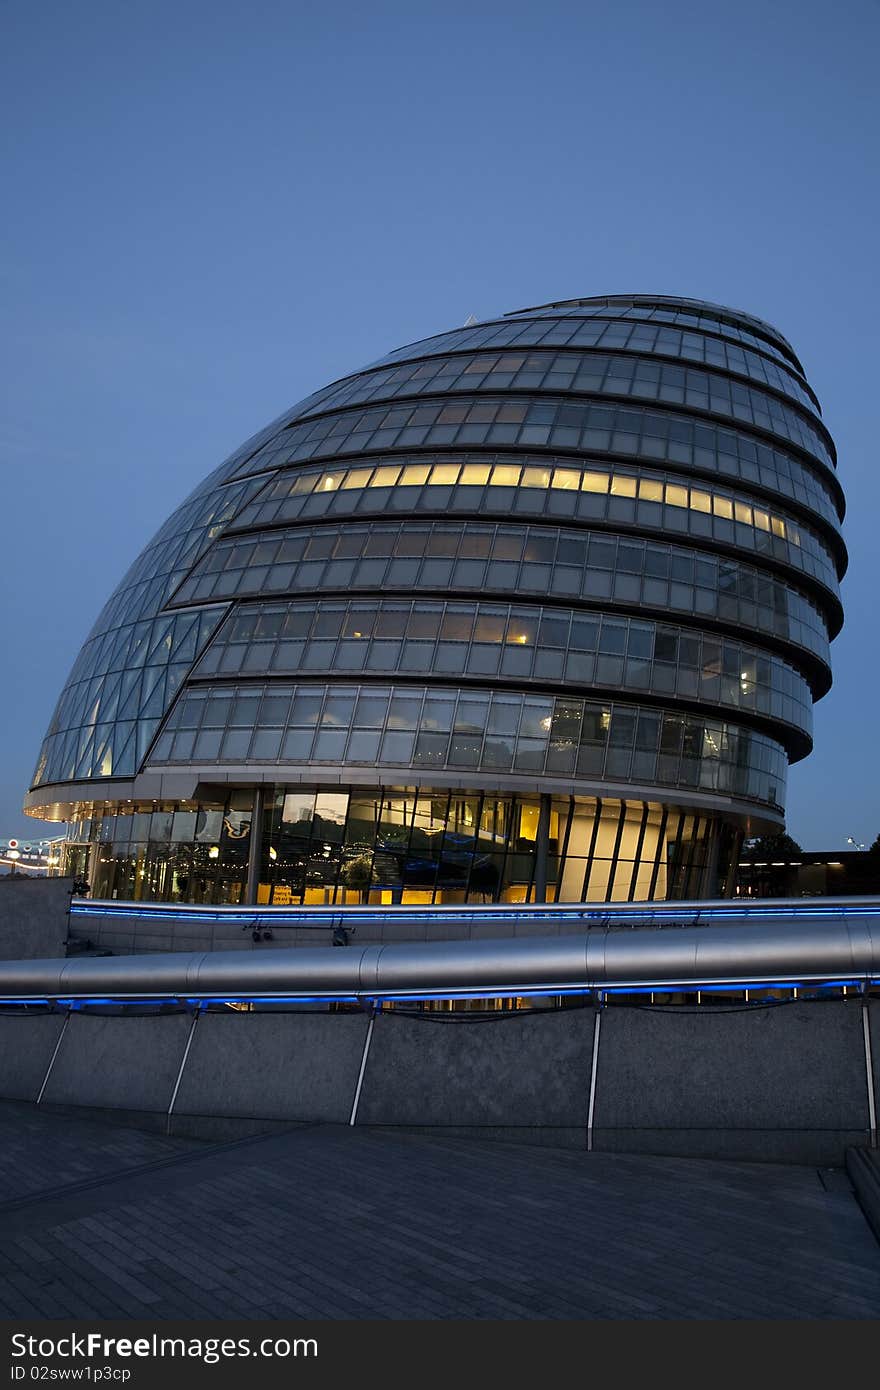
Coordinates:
[368,968]
[742,953]
[230,974]
[642,957]
[652,957]
[865,937]
[594,955]
[169,974]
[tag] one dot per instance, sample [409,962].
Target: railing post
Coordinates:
[594,1069]
[352,1119]
[54,1055]
[869,1074]
[183,1060]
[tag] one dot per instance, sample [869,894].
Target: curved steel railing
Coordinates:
[800,945]
[515,915]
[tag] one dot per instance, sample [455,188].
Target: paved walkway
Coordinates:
[327,1222]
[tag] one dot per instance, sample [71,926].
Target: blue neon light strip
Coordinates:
[509,992]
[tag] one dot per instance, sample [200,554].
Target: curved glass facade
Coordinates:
[770,474]
[651,503]
[591,374]
[697,348]
[552,422]
[649,318]
[539,646]
[441,728]
[555,631]
[464,556]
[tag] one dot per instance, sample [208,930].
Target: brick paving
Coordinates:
[39,1150]
[327,1222]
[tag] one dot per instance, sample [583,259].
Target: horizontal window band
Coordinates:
[665,357]
[558,483]
[560,397]
[668,304]
[525,454]
[810,667]
[827,601]
[316,722]
[797,742]
[622,317]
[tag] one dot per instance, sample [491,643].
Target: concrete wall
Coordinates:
[33,917]
[126,936]
[510,1072]
[785,1083]
[27,1042]
[772,1081]
[273,1066]
[127,1063]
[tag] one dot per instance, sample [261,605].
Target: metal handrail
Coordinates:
[789,951]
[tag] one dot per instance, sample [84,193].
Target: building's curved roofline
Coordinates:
[661,300]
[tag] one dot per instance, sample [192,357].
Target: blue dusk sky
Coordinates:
[214,207]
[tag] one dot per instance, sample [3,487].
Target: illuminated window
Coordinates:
[569,479]
[356,477]
[444,473]
[535,477]
[504,475]
[385,477]
[414,475]
[474,474]
[623,486]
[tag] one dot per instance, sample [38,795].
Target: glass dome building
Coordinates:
[535,609]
